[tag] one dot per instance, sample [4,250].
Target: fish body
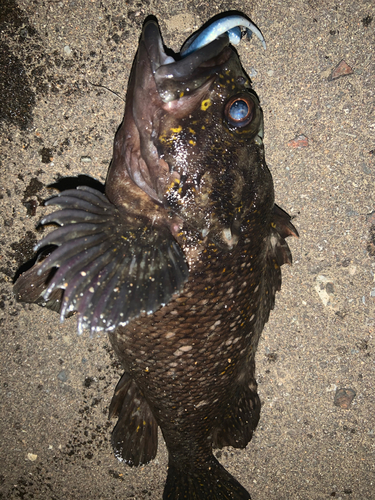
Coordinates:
[179,261]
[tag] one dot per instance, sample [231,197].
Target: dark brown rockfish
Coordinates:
[179,261]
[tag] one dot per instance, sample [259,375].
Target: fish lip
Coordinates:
[176,76]
[151,37]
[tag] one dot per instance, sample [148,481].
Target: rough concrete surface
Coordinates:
[63,77]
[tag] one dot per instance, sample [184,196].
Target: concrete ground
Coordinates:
[63,75]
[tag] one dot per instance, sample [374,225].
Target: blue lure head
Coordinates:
[230,25]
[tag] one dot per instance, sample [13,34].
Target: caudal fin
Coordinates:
[211,482]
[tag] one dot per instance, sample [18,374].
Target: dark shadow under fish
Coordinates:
[179,261]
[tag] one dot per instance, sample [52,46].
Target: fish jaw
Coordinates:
[156,86]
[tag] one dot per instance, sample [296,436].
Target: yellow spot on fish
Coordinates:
[193,143]
[173,184]
[163,139]
[191,131]
[205,104]
[273,225]
[176,130]
[182,94]
[203,127]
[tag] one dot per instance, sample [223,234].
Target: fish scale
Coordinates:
[206,363]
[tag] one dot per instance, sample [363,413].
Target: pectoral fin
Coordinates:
[30,286]
[111,265]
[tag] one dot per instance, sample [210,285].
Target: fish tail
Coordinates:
[135,436]
[211,482]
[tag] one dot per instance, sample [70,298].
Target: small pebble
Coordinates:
[344,398]
[342,69]
[299,142]
[371,217]
[67,50]
[62,376]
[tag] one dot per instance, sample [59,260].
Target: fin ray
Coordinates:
[239,418]
[135,437]
[278,252]
[112,265]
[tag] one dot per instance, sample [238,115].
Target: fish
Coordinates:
[178,261]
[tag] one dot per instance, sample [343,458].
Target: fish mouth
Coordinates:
[160,84]
[177,76]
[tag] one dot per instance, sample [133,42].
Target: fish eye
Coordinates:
[239,110]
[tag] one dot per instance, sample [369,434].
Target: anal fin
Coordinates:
[239,419]
[135,436]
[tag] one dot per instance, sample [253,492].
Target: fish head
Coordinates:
[191,143]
